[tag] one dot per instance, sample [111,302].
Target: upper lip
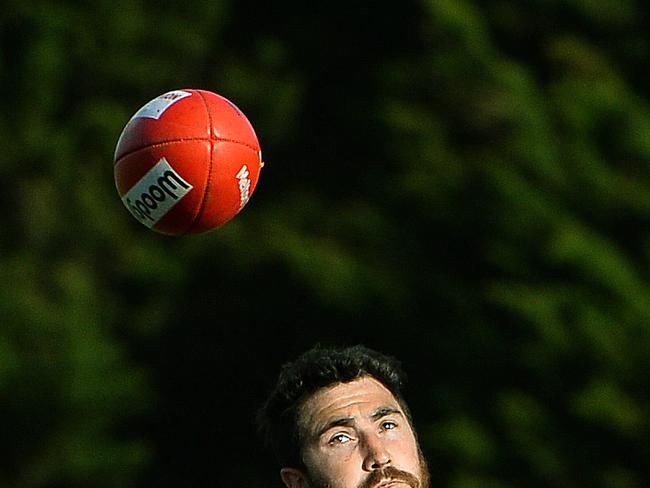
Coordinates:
[387,483]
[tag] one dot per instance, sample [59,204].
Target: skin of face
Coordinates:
[351,430]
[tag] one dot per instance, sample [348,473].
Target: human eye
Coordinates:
[339,438]
[388,424]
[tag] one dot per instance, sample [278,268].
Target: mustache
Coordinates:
[389,473]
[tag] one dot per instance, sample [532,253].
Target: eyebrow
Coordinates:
[336,422]
[350,421]
[384,411]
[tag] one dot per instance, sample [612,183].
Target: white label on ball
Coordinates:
[244,186]
[156,193]
[156,107]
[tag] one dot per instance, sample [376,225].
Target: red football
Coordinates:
[187,162]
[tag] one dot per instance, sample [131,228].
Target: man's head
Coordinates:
[337,419]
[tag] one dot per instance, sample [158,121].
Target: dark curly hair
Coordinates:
[317,368]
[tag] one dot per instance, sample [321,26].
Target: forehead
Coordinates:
[359,397]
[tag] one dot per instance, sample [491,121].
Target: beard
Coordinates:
[388,473]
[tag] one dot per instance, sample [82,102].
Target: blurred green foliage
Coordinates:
[463,184]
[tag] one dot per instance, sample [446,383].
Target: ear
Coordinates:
[293,478]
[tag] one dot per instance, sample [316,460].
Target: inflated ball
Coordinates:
[187,162]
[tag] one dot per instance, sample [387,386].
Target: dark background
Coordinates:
[464,185]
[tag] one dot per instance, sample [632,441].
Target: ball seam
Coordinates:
[185,139]
[207,190]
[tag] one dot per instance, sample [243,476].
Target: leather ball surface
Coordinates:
[187,162]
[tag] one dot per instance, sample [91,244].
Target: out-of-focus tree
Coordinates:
[526,138]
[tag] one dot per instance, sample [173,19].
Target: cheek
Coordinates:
[342,470]
[406,455]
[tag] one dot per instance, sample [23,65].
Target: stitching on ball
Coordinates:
[185,139]
[235,141]
[204,197]
[162,143]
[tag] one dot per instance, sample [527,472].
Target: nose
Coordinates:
[376,455]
